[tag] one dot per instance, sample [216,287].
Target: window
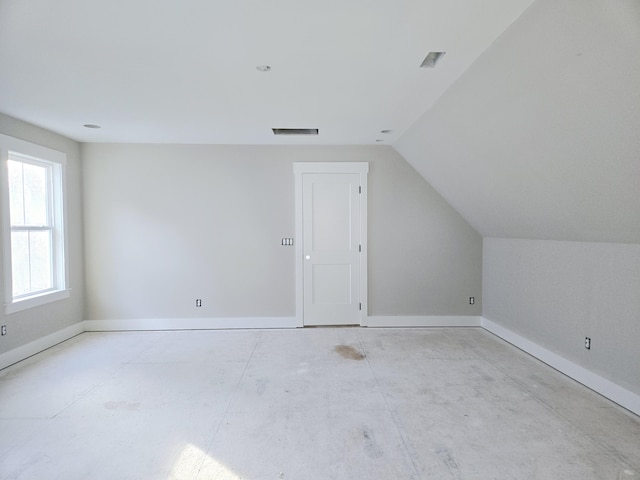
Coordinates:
[33,224]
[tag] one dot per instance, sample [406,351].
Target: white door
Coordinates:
[332,247]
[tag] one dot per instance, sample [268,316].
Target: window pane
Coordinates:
[34,190]
[20,262]
[40,250]
[15,193]
[35,195]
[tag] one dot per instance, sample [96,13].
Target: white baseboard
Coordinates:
[189,323]
[604,387]
[268,322]
[25,351]
[423,321]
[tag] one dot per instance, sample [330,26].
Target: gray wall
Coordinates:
[166,224]
[557,293]
[28,325]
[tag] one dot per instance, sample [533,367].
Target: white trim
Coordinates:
[364,235]
[607,388]
[361,168]
[299,246]
[330,167]
[36,300]
[56,163]
[423,321]
[25,351]
[151,324]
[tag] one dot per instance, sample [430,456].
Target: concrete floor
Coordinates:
[330,403]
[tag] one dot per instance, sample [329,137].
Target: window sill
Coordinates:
[36,301]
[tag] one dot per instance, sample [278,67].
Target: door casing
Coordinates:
[300,168]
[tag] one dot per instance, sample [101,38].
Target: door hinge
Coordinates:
[359,188]
[360,248]
[360,306]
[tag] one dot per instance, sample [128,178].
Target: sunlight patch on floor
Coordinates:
[191,460]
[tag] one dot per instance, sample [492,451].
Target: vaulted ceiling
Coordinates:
[528,125]
[540,138]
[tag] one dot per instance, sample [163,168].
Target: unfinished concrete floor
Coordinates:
[330,403]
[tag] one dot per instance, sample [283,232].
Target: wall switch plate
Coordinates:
[198,302]
[472,300]
[587,343]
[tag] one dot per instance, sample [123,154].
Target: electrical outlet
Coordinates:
[198,302]
[587,343]
[3,330]
[472,300]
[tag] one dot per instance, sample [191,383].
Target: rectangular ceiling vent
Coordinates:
[295,131]
[431,59]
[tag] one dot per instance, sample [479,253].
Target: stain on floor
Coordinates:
[371,447]
[446,456]
[349,352]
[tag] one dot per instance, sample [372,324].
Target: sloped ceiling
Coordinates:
[540,138]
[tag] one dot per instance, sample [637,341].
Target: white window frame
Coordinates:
[26,151]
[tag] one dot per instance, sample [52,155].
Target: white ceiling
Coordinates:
[168,71]
[529,126]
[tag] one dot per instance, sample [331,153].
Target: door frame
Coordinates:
[299,169]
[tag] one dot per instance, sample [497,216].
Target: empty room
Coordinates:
[252,240]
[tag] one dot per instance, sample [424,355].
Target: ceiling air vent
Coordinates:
[431,59]
[295,131]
